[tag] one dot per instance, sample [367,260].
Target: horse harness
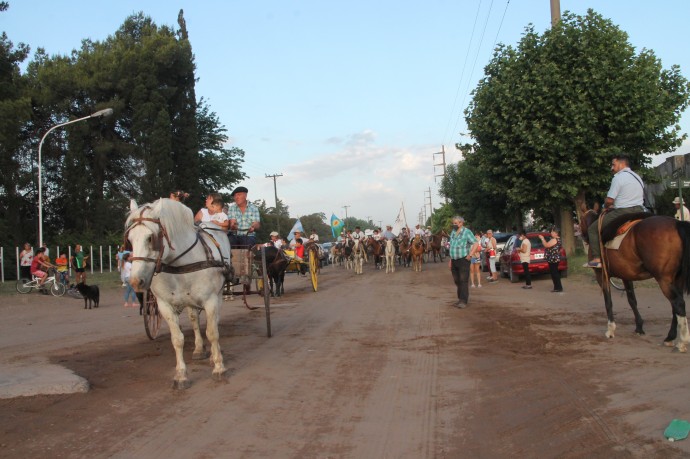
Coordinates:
[210,262]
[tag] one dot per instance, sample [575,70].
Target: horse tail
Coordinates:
[684,232]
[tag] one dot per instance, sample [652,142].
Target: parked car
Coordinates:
[501,239]
[511,267]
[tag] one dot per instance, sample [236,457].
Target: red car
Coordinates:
[511,267]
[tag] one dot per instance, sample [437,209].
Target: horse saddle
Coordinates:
[618,229]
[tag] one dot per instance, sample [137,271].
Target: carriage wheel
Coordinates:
[314,271]
[265,291]
[152,318]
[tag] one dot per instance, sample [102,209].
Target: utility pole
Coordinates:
[442,164]
[345,207]
[555,12]
[431,209]
[380,223]
[275,191]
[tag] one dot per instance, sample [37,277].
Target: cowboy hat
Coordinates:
[274,233]
[677,201]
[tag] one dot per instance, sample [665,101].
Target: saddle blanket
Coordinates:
[615,243]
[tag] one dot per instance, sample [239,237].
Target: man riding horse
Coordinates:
[625,196]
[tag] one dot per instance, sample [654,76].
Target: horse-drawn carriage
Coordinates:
[309,264]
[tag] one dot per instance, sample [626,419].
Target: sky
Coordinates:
[352,102]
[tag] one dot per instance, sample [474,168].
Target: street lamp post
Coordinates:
[100,113]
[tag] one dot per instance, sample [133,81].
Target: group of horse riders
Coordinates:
[376,242]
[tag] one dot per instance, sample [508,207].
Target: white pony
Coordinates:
[185,267]
[390,256]
[359,254]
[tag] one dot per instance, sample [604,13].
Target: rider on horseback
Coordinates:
[626,196]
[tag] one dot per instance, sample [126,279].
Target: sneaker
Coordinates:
[479,286]
[126,305]
[493,281]
[527,287]
[472,285]
[592,264]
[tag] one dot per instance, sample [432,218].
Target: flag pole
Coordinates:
[404,216]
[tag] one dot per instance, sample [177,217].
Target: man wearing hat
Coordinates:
[275,240]
[682,212]
[296,235]
[244,220]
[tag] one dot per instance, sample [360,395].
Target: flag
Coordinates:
[296,227]
[400,222]
[336,226]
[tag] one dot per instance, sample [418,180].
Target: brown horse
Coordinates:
[436,245]
[377,248]
[404,251]
[655,247]
[417,252]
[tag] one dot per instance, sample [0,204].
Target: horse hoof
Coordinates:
[200,355]
[218,377]
[181,385]
[609,335]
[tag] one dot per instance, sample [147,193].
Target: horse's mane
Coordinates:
[174,216]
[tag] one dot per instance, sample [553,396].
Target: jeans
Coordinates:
[460,269]
[129,291]
[241,241]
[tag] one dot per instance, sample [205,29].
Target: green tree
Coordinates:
[548,115]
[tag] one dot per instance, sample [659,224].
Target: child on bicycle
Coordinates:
[39,262]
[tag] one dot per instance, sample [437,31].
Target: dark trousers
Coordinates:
[555,276]
[460,269]
[528,276]
[25,272]
[241,242]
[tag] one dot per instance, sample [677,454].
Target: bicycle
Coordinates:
[52,283]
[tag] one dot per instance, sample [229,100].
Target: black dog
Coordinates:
[90,294]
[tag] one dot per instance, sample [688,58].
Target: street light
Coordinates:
[99,114]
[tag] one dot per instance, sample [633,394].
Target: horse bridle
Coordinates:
[162,233]
[210,262]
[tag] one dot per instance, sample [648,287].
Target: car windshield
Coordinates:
[536,242]
[502,237]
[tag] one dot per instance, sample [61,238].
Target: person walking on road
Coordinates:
[462,244]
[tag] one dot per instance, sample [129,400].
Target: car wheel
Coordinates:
[514,278]
[503,272]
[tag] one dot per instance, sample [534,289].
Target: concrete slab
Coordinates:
[38,377]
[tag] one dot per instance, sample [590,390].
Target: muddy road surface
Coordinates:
[372,366]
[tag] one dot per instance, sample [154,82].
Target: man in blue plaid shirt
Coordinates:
[462,245]
[244,220]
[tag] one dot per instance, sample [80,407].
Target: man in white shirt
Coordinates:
[275,240]
[357,234]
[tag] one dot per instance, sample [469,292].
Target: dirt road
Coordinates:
[371,366]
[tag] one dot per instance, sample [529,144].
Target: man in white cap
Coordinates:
[275,240]
[682,212]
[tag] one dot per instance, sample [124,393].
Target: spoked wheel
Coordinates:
[266,291]
[58,289]
[24,286]
[314,271]
[152,318]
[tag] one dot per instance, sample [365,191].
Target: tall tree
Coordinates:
[548,115]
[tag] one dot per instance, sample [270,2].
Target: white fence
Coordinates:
[105,259]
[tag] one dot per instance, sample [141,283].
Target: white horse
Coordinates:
[185,267]
[359,254]
[390,256]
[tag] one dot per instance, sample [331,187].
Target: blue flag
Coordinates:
[296,227]
[336,226]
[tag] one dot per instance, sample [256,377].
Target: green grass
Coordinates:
[106,280]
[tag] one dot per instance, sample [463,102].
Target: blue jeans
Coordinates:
[129,291]
[241,241]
